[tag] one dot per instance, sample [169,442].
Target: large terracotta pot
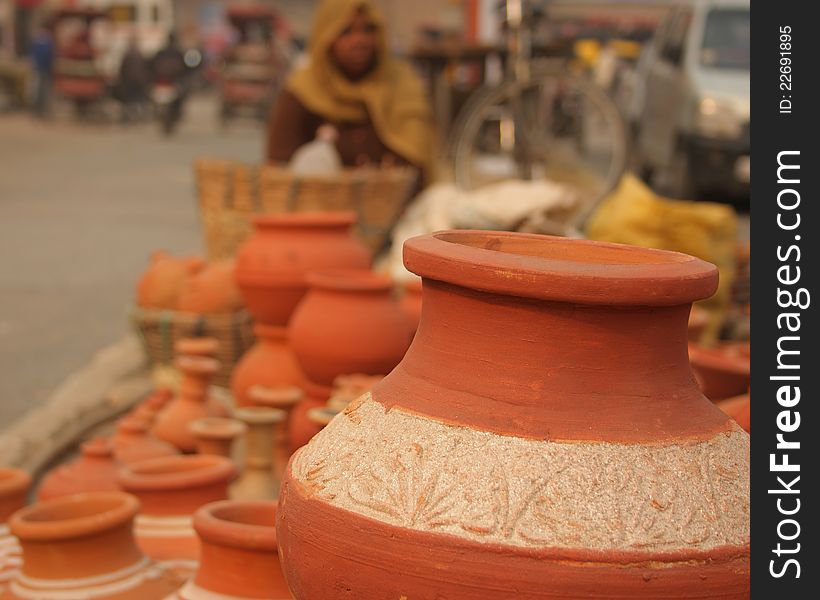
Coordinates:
[14,487]
[133,442]
[349,322]
[239,553]
[82,546]
[211,291]
[160,284]
[170,490]
[269,362]
[543,438]
[192,402]
[94,471]
[271,266]
[723,371]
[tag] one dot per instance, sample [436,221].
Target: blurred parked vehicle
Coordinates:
[691,112]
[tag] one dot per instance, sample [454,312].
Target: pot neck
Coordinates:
[551,370]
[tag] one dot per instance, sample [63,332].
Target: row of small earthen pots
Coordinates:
[96,544]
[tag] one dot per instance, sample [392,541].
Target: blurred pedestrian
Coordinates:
[375,102]
[132,85]
[42,57]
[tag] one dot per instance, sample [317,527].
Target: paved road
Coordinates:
[81,208]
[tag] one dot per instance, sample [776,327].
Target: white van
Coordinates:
[691,114]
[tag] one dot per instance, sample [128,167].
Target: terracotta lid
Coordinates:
[308,219]
[240,524]
[275,396]
[349,280]
[217,428]
[560,269]
[73,516]
[13,481]
[260,415]
[177,472]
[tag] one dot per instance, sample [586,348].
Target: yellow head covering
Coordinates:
[391,94]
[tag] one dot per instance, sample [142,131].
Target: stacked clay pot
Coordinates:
[239,557]
[216,435]
[192,402]
[82,546]
[212,290]
[170,490]
[543,438]
[133,442]
[94,471]
[266,453]
[14,486]
[269,362]
[161,284]
[271,266]
[722,371]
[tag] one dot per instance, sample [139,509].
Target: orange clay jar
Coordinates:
[723,371]
[134,442]
[271,266]
[269,362]
[161,284]
[239,553]
[211,291]
[82,546]
[14,487]
[192,402]
[542,439]
[170,490]
[94,471]
[349,322]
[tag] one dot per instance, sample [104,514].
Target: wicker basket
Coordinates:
[159,329]
[230,193]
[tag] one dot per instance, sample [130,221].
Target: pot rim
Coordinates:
[220,428]
[560,269]
[307,219]
[260,415]
[98,447]
[13,481]
[53,520]
[177,472]
[239,524]
[198,365]
[349,280]
[278,396]
[196,346]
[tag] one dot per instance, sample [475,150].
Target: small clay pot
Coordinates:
[94,471]
[349,322]
[269,362]
[411,302]
[161,283]
[271,266]
[723,371]
[211,291]
[14,486]
[266,453]
[170,490]
[302,428]
[192,402]
[216,435]
[82,546]
[133,442]
[739,408]
[239,553]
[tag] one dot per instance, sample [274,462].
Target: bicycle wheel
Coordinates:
[557,127]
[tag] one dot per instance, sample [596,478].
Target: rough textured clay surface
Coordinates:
[543,437]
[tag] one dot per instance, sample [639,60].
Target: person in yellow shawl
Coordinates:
[376,102]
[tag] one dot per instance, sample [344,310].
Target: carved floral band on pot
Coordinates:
[349,322]
[134,442]
[544,425]
[94,471]
[723,371]
[82,546]
[239,553]
[266,453]
[14,487]
[269,362]
[216,435]
[192,402]
[170,490]
[271,266]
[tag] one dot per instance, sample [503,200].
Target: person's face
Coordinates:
[354,51]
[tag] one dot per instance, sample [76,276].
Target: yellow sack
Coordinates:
[634,214]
